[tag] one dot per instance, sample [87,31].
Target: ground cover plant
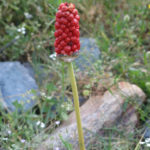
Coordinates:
[122,31]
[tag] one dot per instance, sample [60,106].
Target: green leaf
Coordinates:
[66,143]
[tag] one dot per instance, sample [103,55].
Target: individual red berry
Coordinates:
[57,50]
[69,24]
[61,5]
[70,17]
[59,14]
[63,43]
[59,47]
[74,22]
[57,25]
[59,31]
[63,20]
[64,8]
[66,30]
[61,38]
[76,32]
[58,20]
[75,12]
[63,52]
[74,39]
[68,39]
[77,26]
[67,49]
[77,17]
[66,14]
[72,28]
[64,35]
[70,34]
[63,26]
[74,47]
[71,6]
[56,34]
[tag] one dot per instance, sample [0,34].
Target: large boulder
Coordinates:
[17,85]
[98,112]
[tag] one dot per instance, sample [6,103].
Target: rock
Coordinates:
[82,100]
[16,84]
[41,73]
[89,54]
[147,133]
[29,68]
[99,111]
[147,130]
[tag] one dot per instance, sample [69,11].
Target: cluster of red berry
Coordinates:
[67,30]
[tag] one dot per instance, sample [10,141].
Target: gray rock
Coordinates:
[40,73]
[147,130]
[147,133]
[29,68]
[16,84]
[89,54]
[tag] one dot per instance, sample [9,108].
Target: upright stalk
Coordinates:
[76,105]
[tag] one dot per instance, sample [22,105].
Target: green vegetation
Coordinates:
[122,31]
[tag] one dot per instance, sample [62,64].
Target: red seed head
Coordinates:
[67,30]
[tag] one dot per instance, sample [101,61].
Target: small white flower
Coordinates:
[57,122]
[5,139]
[17,37]
[147,140]
[22,140]
[19,30]
[43,94]
[42,125]
[49,97]
[57,148]
[148,54]
[62,105]
[148,145]
[27,15]
[142,143]
[38,123]
[53,56]
[9,132]
[22,30]
[68,107]
[39,46]
[126,18]
[39,8]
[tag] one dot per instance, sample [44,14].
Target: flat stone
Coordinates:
[17,84]
[98,112]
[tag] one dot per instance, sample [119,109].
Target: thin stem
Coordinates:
[76,105]
[63,82]
[138,145]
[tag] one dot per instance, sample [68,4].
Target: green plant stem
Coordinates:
[76,105]
[63,82]
[138,145]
